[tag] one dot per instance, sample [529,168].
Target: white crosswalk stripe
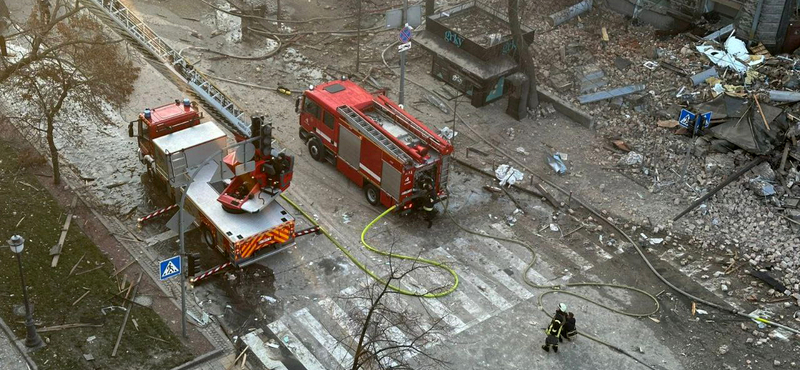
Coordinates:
[393,333]
[481,259]
[483,268]
[483,289]
[507,281]
[599,250]
[438,309]
[352,328]
[341,317]
[324,338]
[295,346]
[518,264]
[469,305]
[574,257]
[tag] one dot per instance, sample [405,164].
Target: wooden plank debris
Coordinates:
[89,270]
[76,265]
[67,326]
[81,297]
[127,315]
[123,268]
[56,250]
[758,105]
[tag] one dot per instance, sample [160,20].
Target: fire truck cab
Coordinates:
[375,143]
[160,121]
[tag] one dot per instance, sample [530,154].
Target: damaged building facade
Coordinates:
[764,21]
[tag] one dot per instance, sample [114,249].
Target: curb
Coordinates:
[7,331]
[199,360]
[565,108]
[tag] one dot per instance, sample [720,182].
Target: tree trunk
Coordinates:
[53,151]
[524,57]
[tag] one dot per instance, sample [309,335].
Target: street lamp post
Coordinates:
[32,340]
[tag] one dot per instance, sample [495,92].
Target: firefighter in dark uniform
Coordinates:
[569,327]
[428,201]
[553,331]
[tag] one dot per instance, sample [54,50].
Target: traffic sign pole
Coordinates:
[689,149]
[403,57]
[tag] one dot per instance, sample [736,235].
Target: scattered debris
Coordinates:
[127,315]
[266,298]
[557,163]
[447,133]
[67,326]
[610,94]
[508,175]
[621,145]
[668,123]
[763,275]
[566,14]
[632,159]
[81,297]
[703,76]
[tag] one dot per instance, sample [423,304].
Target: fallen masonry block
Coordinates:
[610,94]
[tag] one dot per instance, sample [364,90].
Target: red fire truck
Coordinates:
[374,142]
[232,199]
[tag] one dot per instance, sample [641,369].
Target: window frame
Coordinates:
[325,115]
[310,102]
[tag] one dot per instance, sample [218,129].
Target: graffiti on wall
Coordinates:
[453,38]
[509,47]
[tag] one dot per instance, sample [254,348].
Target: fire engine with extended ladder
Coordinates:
[232,198]
[375,143]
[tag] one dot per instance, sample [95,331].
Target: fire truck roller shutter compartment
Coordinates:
[349,147]
[390,181]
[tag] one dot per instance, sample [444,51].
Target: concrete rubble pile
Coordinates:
[635,82]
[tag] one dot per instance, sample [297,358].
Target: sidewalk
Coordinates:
[10,356]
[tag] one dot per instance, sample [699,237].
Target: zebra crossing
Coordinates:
[490,283]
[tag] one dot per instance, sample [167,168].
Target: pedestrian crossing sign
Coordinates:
[169,267]
[686,118]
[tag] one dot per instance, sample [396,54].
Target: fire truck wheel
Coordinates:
[315,149]
[372,193]
[208,237]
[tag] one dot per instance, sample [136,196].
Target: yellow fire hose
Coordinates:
[366,269]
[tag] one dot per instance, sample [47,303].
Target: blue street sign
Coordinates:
[405,34]
[169,267]
[706,119]
[686,118]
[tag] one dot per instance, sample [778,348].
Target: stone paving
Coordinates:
[10,357]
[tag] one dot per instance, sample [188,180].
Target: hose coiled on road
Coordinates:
[371,273]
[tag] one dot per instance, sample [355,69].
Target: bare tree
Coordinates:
[373,343]
[524,55]
[42,33]
[90,75]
